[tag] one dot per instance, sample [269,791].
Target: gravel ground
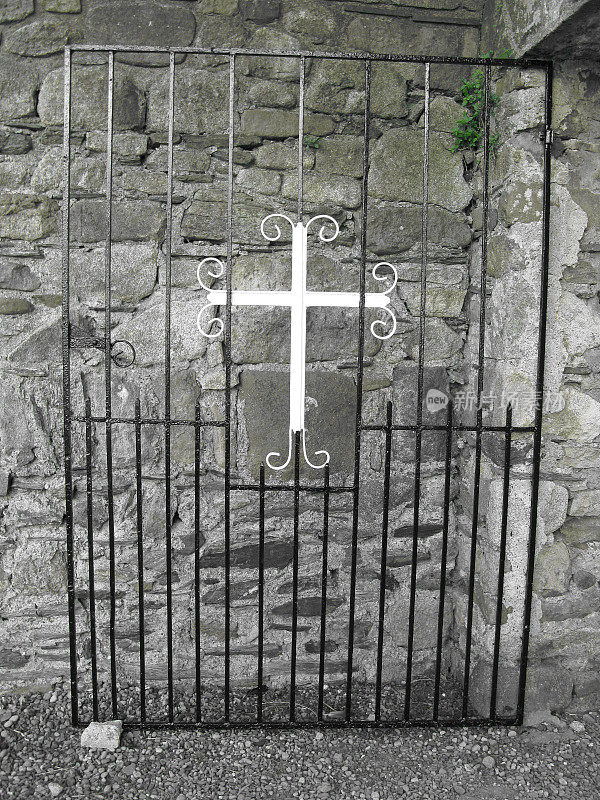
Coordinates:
[40,757]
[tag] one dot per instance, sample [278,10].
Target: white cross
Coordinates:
[298,299]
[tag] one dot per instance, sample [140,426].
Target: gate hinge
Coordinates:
[549,136]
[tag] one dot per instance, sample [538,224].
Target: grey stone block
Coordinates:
[15,10]
[89,86]
[131,221]
[145,24]
[102,735]
[41,38]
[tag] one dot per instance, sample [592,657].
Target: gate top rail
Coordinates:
[354,55]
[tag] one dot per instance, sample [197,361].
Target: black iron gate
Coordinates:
[91,697]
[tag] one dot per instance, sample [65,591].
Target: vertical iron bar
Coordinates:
[227,511]
[480,376]
[359,388]
[501,562]
[197,429]
[443,563]
[169,223]
[108,380]
[323,592]
[383,566]
[301,137]
[66,378]
[537,436]
[418,432]
[295,577]
[261,592]
[90,538]
[140,557]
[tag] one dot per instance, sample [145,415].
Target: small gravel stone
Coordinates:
[488,762]
[55,789]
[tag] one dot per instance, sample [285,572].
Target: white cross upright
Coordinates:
[298,299]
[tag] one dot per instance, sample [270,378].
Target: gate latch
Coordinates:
[122,352]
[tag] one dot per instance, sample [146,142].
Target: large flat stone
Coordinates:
[330,417]
[88,100]
[41,38]
[278,554]
[27,216]
[143,24]
[133,221]
[201,102]
[396,171]
[134,270]
[15,10]
[394,228]
[280,124]
[18,85]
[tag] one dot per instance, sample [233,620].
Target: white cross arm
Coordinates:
[218,297]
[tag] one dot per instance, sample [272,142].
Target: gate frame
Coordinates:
[69,340]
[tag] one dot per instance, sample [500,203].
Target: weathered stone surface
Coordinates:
[238,591]
[480,689]
[18,84]
[63,6]
[330,416]
[14,144]
[269,40]
[201,102]
[569,607]
[225,7]
[87,174]
[263,181]
[273,94]
[14,275]
[261,10]
[396,228]
[135,221]
[552,570]
[440,301]
[396,171]
[586,504]
[40,38]
[279,155]
[323,188]
[336,87]
[444,114]
[188,164]
[127,145]
[12,659]
[388,91]
[423,531]
[42,346]
[186,343]
[134,270]
[13,306]
[579,419]
[102,735]
[314,646]
[520,202]
[206,220]
[278,553]
[88,100]
[27,216]
[278,124]
[579,324]
[311,22]
[580,530]
[15,10]
[136,23]
[307,607]
[405,394]
[340,155]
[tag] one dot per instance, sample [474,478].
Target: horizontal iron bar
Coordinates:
[469,722]
[155,421]
[275,487]
[350,55]
[466,428]
[221,424]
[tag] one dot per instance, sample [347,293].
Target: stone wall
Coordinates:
[33,584]
[32,581]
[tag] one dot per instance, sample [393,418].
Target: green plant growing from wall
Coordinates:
[470,128]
